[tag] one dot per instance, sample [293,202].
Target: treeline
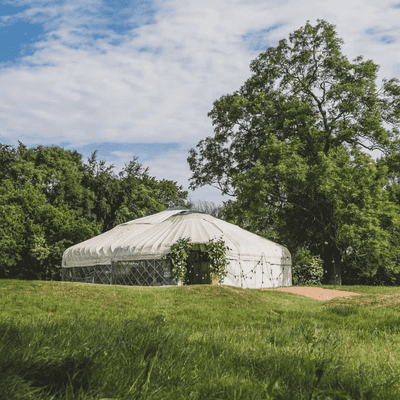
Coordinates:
[50,199]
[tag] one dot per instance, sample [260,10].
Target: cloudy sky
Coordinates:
[137,78]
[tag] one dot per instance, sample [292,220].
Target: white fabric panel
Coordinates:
[200,228]
[151,238]
[233,276]
[261,275]
[154,219]
[249,245]
[287,276]
[156,242]
[99,249]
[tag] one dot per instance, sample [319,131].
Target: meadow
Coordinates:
[62,340]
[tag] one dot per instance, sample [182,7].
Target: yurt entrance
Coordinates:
[198,266]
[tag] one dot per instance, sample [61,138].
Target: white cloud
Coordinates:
[157,82]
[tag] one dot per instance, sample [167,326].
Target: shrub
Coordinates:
[306,268]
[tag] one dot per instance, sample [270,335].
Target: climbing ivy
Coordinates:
[216,251]
[179,253]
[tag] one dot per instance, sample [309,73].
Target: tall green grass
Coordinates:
[76,341]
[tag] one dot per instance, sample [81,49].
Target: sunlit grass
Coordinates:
[83,341]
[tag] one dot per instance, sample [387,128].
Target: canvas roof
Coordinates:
[99,249]
[151,238]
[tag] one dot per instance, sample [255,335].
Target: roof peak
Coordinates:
[185,211]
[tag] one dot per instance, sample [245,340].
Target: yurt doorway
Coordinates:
[198,266]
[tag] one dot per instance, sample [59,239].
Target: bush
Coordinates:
[306,268]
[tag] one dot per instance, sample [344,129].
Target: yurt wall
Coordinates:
[132,253]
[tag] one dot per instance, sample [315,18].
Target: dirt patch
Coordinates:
[316,293]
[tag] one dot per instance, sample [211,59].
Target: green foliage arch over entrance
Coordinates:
[195,263]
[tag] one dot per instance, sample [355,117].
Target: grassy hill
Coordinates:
[61,340]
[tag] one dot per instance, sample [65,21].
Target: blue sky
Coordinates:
[137,78]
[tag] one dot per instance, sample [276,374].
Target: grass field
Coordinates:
[62,340]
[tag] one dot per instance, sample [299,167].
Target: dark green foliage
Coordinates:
[50,200]
[129,195]
[43,210]
[292,146]
[216,252]
[178,254]
[306,268]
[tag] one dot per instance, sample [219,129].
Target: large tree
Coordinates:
[43,210]
[291,146]
[50,200]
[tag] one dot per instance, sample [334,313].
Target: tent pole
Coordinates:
[255,271]
[262,273]
[112,272]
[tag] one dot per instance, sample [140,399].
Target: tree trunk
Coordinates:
[337,266]
[332,265]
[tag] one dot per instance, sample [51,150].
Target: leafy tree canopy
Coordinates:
[50,200]
[291,147]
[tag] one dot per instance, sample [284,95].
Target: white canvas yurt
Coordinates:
[132,253]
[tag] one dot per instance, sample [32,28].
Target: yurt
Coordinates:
[133,253]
